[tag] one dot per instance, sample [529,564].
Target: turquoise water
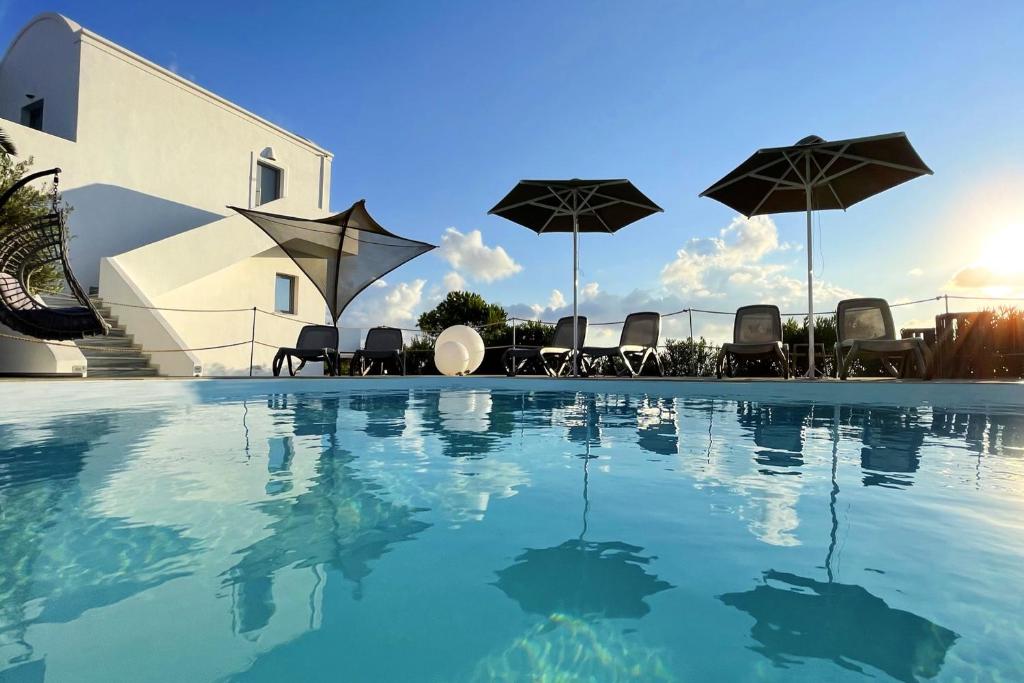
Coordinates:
[464,534]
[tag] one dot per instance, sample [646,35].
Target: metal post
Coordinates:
[575,285]
[513,333]
[252,342]
[810,284]
[946,297]
[689,312]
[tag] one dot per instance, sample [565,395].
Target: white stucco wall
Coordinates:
[146,156]
[43,61]
[154,154]
[203,269]
[39,358]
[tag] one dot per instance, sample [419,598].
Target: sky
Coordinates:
[434,110]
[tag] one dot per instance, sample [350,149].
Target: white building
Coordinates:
[150,162]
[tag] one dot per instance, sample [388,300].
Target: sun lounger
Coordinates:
[383,345]
[638,343]
[757,333]
[551,360]
[315,343]
[864,327]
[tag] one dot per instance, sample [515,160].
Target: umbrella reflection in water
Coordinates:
[798,617]
[579,577]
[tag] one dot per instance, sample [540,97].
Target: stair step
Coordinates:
[122,372]
[107,350]
[117,361]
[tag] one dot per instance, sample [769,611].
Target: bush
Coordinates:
[689,358]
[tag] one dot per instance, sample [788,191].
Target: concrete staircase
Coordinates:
[117,354]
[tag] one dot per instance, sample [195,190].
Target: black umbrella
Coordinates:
[575,206]
[817,174]
[341,254]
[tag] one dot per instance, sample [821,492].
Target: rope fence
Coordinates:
[511,321]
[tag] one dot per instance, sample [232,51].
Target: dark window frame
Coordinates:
[279,186]
[32,114]
[292,293]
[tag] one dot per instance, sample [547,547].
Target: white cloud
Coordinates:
[380,284]
[454,282]
[397,306]
[981,277]
[468,254]
[732,266]
[915,272]
[718,273]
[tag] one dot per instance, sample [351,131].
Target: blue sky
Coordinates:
[435,109]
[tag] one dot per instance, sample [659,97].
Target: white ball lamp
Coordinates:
[451,358]
[470,340]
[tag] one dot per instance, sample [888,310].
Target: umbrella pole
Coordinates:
[810,288]
[575,289]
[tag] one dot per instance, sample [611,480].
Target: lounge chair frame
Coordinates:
[554,360]
[637,346]
[383,345]
[886,348]
[743,346]
[315,343]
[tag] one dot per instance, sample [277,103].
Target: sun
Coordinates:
[1003,252]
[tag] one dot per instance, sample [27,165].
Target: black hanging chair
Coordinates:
[24,250]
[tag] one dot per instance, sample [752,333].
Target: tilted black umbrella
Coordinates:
[341,254]
[816,174]
[575,206]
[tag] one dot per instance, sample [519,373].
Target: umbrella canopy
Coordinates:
[817,174]
[575,206]
[582,578]
[341,254]
[799,617]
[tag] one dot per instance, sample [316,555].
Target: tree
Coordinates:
[463,308]
[27,203]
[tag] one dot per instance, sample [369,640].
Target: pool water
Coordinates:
[274,531]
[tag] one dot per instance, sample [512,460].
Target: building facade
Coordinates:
[150,163]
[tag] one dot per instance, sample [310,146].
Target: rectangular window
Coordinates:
[32,115]
[284,294]
[268,183]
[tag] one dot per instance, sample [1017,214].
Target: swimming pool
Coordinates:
[490,529]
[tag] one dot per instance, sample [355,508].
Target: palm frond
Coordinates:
[6,144]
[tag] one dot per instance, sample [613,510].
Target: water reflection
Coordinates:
[60,557]
[340,523]
[582,578]
[892,439]
[327,485]
[799,617]
[778,432]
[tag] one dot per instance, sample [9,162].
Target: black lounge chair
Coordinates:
[315,343]
[24,250]
[864,327]
[551,360]
[756,333]
[383,345]
[638,343]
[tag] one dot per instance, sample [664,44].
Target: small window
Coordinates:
[268,183]
[32,115]
[284,294]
